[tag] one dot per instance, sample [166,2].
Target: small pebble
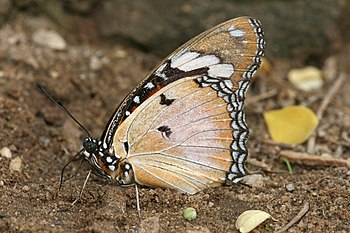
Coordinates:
[16,164]
[98,61]
[44,141]
[199,230]
[13,147]
[254,180]
[2,214]
[6,152]
[58,222]
[25,188]
[210,204]
[54,74]
[2,183]
[50,39]
[290,187]
[120,53]
[150,224]
[190,213]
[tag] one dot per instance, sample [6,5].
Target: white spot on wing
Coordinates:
[109,159]
[236,32]
[137,99]
[229,83]
[111,167]
[220,70]
[230,176]
[200,62]
[183,59]
[240,163]
[149,85]
[160,70]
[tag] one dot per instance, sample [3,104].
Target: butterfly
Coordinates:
[183,127]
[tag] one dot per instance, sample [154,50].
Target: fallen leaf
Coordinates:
[250,219]
[306,79]
[291,125]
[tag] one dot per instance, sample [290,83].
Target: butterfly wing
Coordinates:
[184,127]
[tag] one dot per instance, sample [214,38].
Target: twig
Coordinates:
[269,142]
[325,102]
[260,164]
[313,160]
[265,95]
[297,218]
[329,96]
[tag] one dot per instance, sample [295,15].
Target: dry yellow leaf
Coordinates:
[291,125]
[250,219]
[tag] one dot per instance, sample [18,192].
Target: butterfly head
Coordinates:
[90,145]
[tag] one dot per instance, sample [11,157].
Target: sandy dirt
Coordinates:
[91,81]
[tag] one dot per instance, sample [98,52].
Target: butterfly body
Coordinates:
[184,127]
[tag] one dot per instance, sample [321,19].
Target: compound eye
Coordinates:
[90,145]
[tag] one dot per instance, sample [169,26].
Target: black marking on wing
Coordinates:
[126,147]
[173,74]
[165,101]
[165,130]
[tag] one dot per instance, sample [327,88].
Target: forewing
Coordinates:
[236,45]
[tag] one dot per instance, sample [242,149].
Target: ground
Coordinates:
[91,81]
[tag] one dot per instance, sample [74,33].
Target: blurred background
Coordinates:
[90,54]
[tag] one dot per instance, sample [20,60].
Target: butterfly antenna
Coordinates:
[57,102]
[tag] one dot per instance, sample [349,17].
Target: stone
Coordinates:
[50,39]
[6,152]
[16,164]
[290,187]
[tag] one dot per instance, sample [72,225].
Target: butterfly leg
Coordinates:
[72,176]
[138,201]
[65,166]
[82,189]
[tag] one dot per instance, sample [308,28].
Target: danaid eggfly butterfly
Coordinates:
[183,127]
